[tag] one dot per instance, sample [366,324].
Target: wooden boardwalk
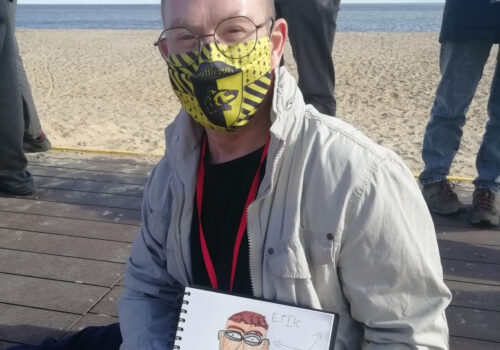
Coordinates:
[62,255]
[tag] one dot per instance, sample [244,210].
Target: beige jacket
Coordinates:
[338,224]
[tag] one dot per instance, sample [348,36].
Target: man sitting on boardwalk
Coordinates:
[259,194]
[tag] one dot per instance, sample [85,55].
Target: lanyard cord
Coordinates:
[243,222]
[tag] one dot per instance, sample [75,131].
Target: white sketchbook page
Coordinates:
[290,328]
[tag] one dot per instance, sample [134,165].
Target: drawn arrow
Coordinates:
[279,344]
[315,340]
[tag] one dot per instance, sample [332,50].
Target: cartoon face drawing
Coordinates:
[245,330]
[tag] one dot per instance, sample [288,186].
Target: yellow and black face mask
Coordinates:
[218,91]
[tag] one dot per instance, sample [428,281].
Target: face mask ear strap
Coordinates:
[273,20]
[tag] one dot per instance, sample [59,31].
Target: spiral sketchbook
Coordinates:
[212,320]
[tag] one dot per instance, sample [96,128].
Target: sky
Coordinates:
[158,1]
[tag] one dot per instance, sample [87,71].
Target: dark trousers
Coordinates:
[13,175]
[90,338]
[312,26]
[32,127]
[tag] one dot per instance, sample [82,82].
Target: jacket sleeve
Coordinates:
[149,306]
[390,265]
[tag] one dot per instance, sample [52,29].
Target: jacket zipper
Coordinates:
[267,185]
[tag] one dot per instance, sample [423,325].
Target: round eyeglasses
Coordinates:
[251,338]
[229,32]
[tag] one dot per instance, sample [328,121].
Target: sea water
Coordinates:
[352,17]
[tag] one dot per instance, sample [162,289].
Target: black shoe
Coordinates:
[441,198]
[18,184]
[21,192]
[40,144]
[484,208]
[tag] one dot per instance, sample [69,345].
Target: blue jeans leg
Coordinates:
[488,157]
[461,65]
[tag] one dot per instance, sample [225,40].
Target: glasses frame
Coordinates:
[157,43]
[262,340]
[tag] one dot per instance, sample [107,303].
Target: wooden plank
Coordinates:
[97,164]
[60,268]
[109,304]
[48,294]
[117,158]
[88,175]
[31,326]
[457,343]
[87,198]
[93,320]
[471,344]
[460,219]
[89,186]
[73,211]
[464,271]
[475,296]
[469,252]
[76,247]
[469,235]
[473,323]
[452,220]
[69,227]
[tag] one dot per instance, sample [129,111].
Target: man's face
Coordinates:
[202,17]
[230,78]
[234,330]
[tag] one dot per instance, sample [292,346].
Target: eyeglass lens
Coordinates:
[229,32]
[251,339]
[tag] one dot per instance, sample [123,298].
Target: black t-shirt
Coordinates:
[226,189]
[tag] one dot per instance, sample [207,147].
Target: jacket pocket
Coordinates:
[158,222]
[289,263]
[321,247]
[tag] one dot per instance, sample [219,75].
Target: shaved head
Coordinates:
[268,6]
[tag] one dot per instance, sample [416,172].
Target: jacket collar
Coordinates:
[287,112]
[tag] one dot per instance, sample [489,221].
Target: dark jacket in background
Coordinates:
[470,20]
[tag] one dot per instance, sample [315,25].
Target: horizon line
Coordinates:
[157,2]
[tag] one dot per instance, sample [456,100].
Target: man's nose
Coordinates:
[206,39]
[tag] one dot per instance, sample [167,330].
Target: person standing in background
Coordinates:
[14,178]
[34,139]
[312,31]
[468,32]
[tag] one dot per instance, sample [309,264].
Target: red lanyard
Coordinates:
[243,222]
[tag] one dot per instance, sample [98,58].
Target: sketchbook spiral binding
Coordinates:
[182,321]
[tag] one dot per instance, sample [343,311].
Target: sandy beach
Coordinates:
[109,89]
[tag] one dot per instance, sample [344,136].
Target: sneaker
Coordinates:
[441,198]
[40,144]
[484,208]
[23,191]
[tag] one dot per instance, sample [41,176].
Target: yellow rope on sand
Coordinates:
[454,178]
[104,151]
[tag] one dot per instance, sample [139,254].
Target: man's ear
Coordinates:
[278,38]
